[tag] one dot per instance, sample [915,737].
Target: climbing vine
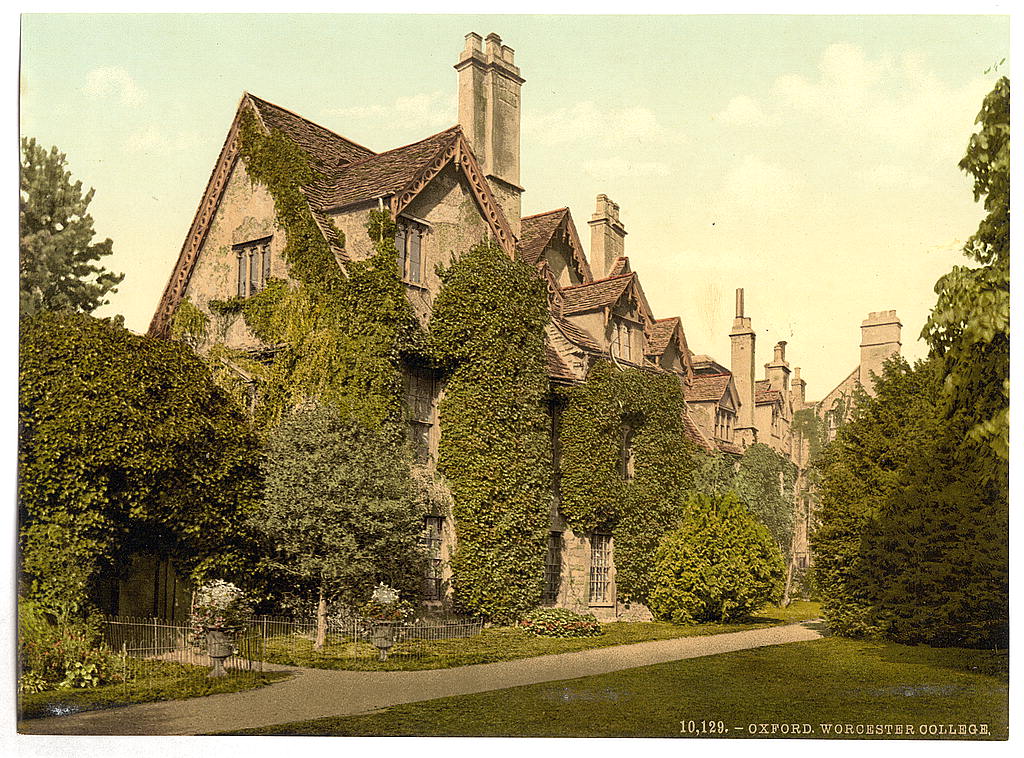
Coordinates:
[487,331]
[626,464]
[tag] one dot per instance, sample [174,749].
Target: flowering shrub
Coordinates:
[385,605]
[62,653]
[219,606]
[560,622]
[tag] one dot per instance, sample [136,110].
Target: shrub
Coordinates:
[61,653]
[720,565]
[560,622]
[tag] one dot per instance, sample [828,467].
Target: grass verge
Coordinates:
[155,680]
[820,684]
[505,643]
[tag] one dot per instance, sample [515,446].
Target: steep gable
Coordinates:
[542,230]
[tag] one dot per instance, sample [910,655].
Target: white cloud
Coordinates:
[603,128]
[612,168]
[115,82]
[743,111]
[153,140]
[756,182]
[434,110]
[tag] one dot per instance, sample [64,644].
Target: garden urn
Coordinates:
[219,648]
[382,637]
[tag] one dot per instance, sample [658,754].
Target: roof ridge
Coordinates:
[545,213]
[599,281]
[246,93]
[359,162]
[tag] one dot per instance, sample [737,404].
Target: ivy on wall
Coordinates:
[487,331]
[644,412]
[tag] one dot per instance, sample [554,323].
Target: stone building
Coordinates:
[447,192]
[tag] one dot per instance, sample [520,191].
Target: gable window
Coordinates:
[723,424]
[431,541]
[601,569]
[420,390]
[553,568]
[253,266]
[622,342]
[409,244]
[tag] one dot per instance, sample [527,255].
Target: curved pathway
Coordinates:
[316,693]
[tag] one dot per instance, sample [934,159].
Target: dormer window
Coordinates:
[409,244]
[253,266]
[622,340]
[724,421]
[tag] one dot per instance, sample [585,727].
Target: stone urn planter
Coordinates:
[219,648]
[382,637]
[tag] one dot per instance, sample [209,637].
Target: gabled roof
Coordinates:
[538,232]
[577,336]
[326,148]
[602,293]
[556,366]
[379,175]
[764,395]
[694,434]
[621,266]
[703,364]
[708,388]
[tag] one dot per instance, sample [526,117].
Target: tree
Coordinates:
[720,565]
[764,482]
[57,268]
[125,444]
[969,327]
[338,513]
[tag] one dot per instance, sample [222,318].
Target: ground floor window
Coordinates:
[553,568]
[432,543]
[600,568]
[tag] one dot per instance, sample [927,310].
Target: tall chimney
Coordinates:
[799,390]
[777,372]
[607,237]
[879,340]
[743,338]
[489,108]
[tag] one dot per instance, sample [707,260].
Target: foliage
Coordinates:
[338,509]
[60,651]
[125,445]
[720,565]
[342,332]
[486,330]
[764,482]
[218,606]
[811,427]
[969,327]
[385,604]
[57,269]
[560,622]
[189,324]
[597,492]
[912,540]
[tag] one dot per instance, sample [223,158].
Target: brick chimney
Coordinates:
[742,367]
[799,390]
[489,108]
[607,237]
[777,372]
[879,340]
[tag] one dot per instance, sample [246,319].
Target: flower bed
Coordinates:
[560,622]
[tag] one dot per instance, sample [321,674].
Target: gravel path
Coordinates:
[316,693]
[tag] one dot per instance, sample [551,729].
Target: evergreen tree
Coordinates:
[57,268]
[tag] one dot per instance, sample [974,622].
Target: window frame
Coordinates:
[253,268]
[432,540]
[600,590]
[553,568]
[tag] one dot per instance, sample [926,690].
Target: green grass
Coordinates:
[504,643]
[826,681]
[154,680]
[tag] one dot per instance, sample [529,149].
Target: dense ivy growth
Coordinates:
[625,464]
[719,565]
[487,331]
[341,334]
[125,445]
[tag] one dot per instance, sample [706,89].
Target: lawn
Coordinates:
[154,680]
[505,643]
[820,684]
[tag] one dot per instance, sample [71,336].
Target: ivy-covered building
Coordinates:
[284,186]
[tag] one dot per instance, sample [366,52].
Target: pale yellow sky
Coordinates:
[809,160]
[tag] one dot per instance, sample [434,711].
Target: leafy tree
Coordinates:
[720,565]
[969,327]
[57,268]
[125,445]
[764,482]
[338,513]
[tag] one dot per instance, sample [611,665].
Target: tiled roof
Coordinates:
[577,336]
[764,395]
[620,267]
[382,174]
[328,149]
[599,294]
[707,387]
[694,435]
[729,447]
[660,333]
[556,366]
[707,365]
[536,233]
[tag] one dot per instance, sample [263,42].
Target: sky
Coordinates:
[811,160]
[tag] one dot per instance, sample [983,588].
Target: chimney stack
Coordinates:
[777,372]
[742,367]
[879,340]
[607,237]
[489,109]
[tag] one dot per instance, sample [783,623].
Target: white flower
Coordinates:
[384,595]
